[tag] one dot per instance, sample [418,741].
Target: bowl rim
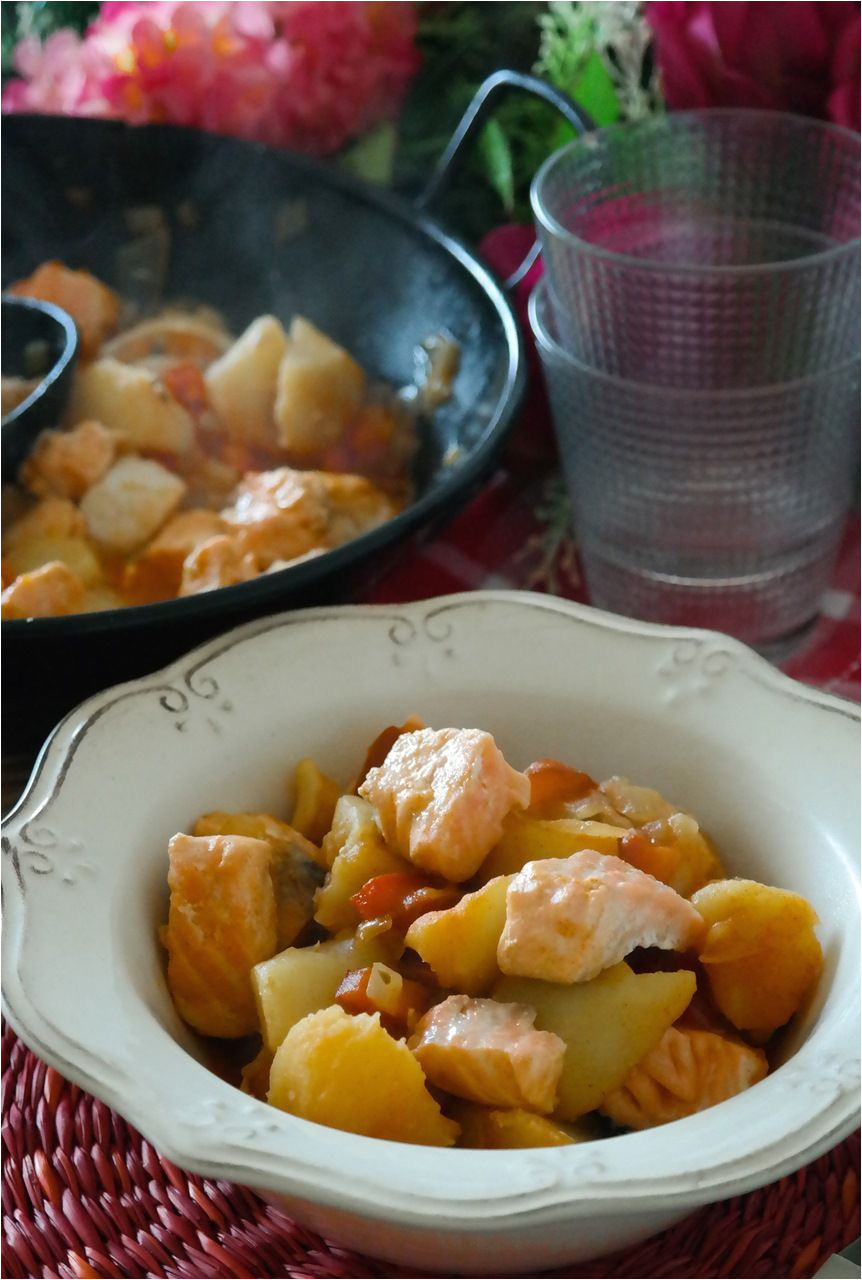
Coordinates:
[69,351]
[455,483]
[711,116]
[577,1179]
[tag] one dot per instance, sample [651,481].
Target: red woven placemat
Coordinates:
[85,1195]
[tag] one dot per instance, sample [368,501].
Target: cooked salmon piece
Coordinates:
[489,1052]
[156,573]
[92,305]
[278,515]
[222,922]
[355,506]
[687,1071]
[52,591]
[441,796]
[567,919]
[51,518]
[66,463]
[217,562]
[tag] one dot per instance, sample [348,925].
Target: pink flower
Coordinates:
[307,75]
[801,57]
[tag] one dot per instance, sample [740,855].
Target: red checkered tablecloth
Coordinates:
[516,533]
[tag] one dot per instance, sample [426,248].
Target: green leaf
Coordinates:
[594,90]
[372,156]
[496,155]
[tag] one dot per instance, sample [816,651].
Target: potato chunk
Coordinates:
[319,389]
[131,503]
[52,591]
[569,918]
[222,922]
[608,1025]
[132,403]
[362,855]
[528,839]
[489,1052]
[314,800]
[301,980]
[460,944]
[761,953]
[686,1072]
[29,554]
[490,1129]
[66,463]
[441,797]
[347,1072]
[242,383]
[92,305]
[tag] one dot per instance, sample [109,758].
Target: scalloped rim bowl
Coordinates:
[770,767]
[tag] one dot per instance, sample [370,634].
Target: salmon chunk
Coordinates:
[222,922]
[355,506]
[217,562]
[52,591]
[489,1052]
[92,305]
[441,796]
[567,919]
[66,463]
[687,1071]
[278,515]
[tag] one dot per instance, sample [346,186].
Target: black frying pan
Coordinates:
[166,213]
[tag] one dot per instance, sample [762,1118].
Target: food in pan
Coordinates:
[450,951]
[191,459]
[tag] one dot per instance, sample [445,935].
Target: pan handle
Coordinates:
[486,98]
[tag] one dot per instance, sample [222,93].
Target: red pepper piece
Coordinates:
[552,782]
[403,897]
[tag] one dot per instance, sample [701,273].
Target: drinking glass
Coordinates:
[710,508]
[710,249]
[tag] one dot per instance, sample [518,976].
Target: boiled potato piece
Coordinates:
[350,1074]
[761,953]
[490,1129]
[130,503]
[132,403]
[608,1025]
[28,554]
[362,854]
[528,839]
[319,389]
[315,798]
[242,383]
[301,980]
[460,944]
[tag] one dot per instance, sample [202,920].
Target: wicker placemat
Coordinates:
[85,1195]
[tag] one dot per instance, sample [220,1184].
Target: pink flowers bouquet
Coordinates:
[801,57]
[309,75]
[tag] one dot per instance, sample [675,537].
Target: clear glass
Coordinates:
[720,509]
[705,249]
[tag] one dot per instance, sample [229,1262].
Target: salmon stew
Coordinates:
[447,951]
[191,458]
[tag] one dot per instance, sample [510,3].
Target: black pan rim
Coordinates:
[269,586]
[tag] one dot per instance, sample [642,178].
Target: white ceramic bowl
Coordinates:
[770,768]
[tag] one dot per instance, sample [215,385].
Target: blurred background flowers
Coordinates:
[380,86]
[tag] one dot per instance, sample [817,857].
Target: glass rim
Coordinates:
[548,344]
[546,220]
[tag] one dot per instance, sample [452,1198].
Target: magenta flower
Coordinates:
[801,57]
[309,75]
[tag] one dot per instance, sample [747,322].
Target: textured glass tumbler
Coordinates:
[707,509]
[707,249]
